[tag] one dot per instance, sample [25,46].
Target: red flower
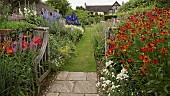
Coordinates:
[155,61]
[151,44]
[113,46]
[143,72]
[23,45]
[121,61]
[150,36]
[146,59]
[126,67]
[142,39]
[158,41]
[10,50]
[37,41]
[164,50]
[130,60]
[144,66]
[141,56]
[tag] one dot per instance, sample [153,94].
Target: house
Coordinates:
[103,9]
[41,5]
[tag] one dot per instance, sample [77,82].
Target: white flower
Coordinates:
[104,85]
[124,70]
[98,84]
[102,78]
[108,63]
[20,12]
[122,75]
[107,82]
[113,75]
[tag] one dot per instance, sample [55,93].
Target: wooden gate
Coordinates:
[42,61]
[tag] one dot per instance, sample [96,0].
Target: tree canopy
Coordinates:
[62,5]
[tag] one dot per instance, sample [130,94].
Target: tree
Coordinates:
[62,5]
[79,8]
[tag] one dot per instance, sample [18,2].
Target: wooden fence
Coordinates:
[109,27]
[42,60]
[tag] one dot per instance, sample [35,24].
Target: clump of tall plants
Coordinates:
[139,57]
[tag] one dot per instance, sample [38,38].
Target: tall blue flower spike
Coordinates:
[72,19]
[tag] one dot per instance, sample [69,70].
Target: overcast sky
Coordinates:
[75,3]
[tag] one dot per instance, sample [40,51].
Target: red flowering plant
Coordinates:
[25,41]
[142,47]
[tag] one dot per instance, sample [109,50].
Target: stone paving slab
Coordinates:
[77,76]
[52,94]
[91,76]
[85,87]
[62,86]
[62,76]
[70,94]
[74,84]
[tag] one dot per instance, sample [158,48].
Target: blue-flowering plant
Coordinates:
[72,20]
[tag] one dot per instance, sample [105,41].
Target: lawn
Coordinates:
[83,61]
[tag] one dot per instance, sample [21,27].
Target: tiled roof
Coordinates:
[101,8]
[41,5]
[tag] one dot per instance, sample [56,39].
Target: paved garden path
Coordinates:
[74,84]
[78,77]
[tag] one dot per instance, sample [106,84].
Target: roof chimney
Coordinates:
[85,5]
[122,2]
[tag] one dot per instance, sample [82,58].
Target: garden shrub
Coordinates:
[62,49]
[62,41]
[106,17]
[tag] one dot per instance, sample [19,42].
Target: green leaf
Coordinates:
[151,82]
[152,90]
[166,89]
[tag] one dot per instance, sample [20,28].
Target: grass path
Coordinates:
[84,60]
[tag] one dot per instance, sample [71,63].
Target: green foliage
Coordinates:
[135,4]
[8,24]
[99,41]
[62,5]
[82,15]
[62,42]
[37,21]
[16,73]
[79,8]
[5,12]
[139,6]
[61,50]
[126,14]
[106,17]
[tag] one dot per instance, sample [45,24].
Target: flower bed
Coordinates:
[139,57]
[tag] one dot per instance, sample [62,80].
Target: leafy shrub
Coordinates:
[62,50]
[8,24]
[37,21]
[106,17]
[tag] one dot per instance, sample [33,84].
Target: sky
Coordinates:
[75,3]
